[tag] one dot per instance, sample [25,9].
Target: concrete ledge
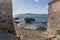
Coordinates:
[6,36]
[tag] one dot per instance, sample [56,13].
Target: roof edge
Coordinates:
[53,1]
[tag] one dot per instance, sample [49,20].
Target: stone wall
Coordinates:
[6,19]
[54,18]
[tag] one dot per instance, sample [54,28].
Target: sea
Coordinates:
[41,20]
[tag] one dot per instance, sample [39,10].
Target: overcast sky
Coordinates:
[30,6]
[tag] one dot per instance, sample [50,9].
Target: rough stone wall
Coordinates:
[54,18]
[6,22]
[30,34]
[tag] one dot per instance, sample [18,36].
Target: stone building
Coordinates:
[6,20]
[54,18]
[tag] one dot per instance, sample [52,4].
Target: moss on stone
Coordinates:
[49,39]
[58,32]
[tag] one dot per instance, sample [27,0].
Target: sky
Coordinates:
[30,6]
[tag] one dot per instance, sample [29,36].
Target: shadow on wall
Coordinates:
[41,29]
[18,38]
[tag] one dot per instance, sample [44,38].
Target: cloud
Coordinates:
[36,1]
[39,11]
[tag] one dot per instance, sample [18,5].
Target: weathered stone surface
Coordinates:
[54,18]
[30,34]
[6,19]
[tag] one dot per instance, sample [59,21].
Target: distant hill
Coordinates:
[31,15]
